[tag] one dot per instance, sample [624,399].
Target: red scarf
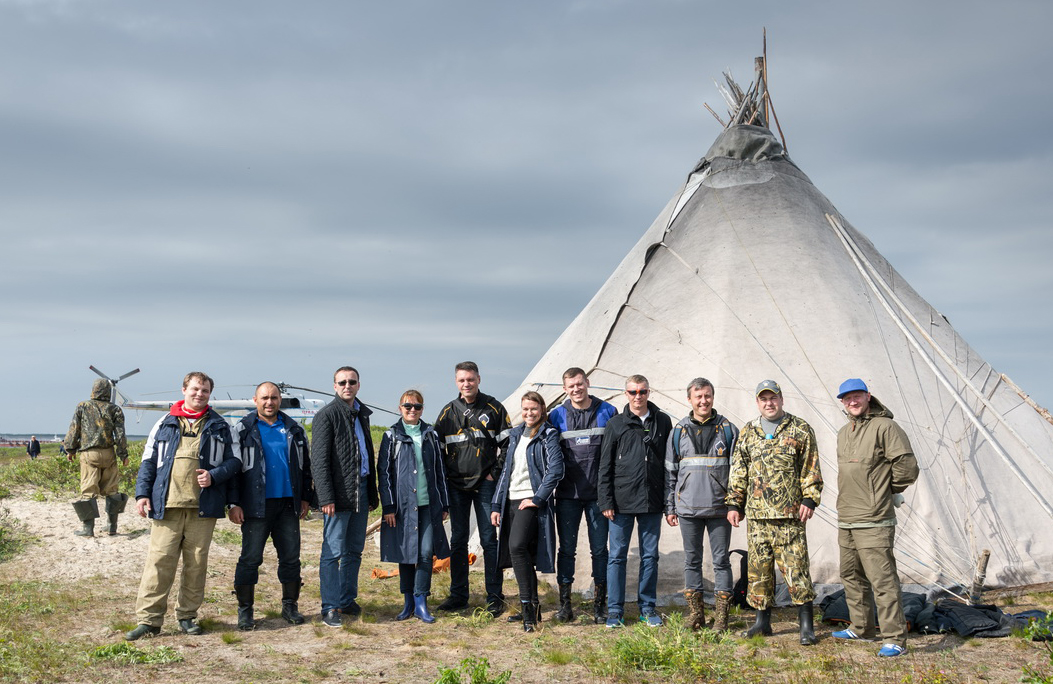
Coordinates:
[178,409]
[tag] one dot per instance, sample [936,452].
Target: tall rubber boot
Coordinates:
[246,594]
[290,597]
[529,613]
[566,610]
[599,603]
[420,609]
[720,621]
[805,617]
[87,510]
[114,507]
[407,607]
[761,626]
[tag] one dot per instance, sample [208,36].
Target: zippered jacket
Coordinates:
[874,461]
[771,478]
[216,455]
[545,468]
[581,436]
[631,479]
[397,480]
[696,481]
[335,467]
[474,438]
[251,482]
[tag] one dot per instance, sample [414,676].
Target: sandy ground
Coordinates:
[378,649]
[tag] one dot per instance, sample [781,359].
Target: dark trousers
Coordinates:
[416,579]
[568,521]
[461,504]
[522,548]
[281,523]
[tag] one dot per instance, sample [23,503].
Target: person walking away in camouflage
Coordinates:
[697,465]
[97,433]
[776,483]
[875,463]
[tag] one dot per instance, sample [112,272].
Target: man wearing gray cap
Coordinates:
[875,463]
[776,482]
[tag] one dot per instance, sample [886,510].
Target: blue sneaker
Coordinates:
[848,635]
[651,618]
[891,651]
[615,622]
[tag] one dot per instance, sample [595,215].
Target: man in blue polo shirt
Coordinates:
[275,491]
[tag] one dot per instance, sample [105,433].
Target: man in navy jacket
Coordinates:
[274,491]
[184,486]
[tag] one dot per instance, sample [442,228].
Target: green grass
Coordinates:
[55,477]
[125,653]
[477,671]
[27,650]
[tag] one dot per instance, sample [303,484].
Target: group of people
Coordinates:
[529,487]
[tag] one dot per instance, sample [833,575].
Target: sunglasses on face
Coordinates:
[643,392]
[349,383]
[413,407]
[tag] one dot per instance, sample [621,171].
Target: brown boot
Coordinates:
[696,617]
[720,622]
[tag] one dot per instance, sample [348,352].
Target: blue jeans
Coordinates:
[343,538]
[568,523]
[282,524]
[416,579]
[461,504]
[647,538]
[692,530]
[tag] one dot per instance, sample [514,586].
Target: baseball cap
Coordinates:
[768,386]
[851,385]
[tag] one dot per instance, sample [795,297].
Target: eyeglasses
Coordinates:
[349,383]
[643,392]
[413,407]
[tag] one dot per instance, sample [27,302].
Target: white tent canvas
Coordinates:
[750,273]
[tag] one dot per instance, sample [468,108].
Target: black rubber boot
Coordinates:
[290,609]
[87,510]
[529,615]
[246,594]
[805,617]
[114,507]
[566,610]
[761,626]
[599,603]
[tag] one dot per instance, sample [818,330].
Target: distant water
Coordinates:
[45,437]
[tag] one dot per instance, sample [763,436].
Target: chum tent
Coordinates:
[750,273]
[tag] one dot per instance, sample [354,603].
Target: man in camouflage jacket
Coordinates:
[97,433]
[776,481]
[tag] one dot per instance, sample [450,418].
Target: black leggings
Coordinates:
[522,547]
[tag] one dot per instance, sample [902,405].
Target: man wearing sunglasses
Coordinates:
[345,477]
[631,490]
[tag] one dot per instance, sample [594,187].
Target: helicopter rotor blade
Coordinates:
[128,374]
[98,372]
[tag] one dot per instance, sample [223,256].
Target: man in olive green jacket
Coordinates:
[875,463]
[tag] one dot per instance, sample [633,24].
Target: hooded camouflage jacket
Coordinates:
[874,461]
[97,424]
[771,478]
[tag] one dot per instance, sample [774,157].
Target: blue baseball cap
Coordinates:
[851,385]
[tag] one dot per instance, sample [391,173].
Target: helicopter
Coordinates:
[296,406]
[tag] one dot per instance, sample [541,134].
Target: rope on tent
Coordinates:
[857,258]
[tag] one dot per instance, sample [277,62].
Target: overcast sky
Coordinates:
[268,190]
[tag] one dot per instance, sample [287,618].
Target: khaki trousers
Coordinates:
[98,472]
[181,532]
[868,571]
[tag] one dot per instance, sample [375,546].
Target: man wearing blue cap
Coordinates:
[875,463]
